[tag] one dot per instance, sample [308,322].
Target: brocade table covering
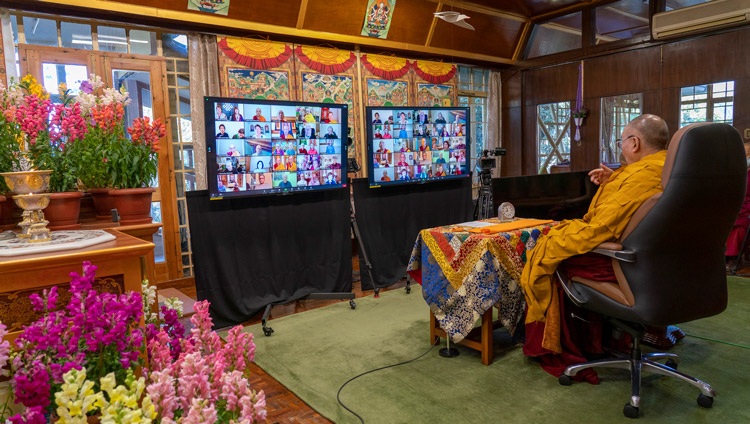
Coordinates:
[465,270]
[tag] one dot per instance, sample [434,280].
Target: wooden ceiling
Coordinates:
[501,37]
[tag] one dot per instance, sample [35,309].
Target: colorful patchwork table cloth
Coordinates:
[466,269]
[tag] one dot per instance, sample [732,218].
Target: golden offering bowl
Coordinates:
[27,181]
[32,201]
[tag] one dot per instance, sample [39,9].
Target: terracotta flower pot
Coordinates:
[103,203]
[63,211]
[133,205]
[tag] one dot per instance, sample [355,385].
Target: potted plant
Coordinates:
[578,115]
[57,150]
[122,164]
[133,165]
[103,109]
[25,109]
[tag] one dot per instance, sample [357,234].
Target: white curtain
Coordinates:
[494,116]
[204,81]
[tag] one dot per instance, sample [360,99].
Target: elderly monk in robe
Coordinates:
[643,144]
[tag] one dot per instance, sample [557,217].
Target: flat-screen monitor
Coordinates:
[263,147]
[409,145]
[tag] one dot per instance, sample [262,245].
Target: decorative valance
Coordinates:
[255,54]
[326,60]
[386,67]
[434,72]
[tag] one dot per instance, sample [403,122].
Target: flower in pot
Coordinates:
[58,151]
[122,165]
[25,109]
[133,165]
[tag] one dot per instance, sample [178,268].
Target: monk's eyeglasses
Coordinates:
[619,141]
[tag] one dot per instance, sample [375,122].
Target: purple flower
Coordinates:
[86,87]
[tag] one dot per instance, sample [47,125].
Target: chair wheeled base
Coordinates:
[637,363]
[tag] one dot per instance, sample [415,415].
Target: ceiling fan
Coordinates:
[455,18]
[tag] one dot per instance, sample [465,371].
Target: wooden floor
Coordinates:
[282,405]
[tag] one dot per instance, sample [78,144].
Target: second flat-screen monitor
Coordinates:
[262,147]
[417,144]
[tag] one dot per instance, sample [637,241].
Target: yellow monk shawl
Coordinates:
[608,215]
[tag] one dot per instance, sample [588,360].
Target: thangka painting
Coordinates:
[219,7]
[378,18]
[254,84]
[387,93]
[327,89]
[435,95]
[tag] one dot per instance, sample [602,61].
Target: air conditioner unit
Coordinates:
[700,18]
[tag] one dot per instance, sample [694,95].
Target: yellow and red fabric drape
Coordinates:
[255,54]
[326,60]
[386,67]
[434,72]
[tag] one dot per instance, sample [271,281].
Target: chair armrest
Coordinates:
[615,250]
[570,291]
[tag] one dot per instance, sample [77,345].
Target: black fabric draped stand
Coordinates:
[390,218]
[255,251]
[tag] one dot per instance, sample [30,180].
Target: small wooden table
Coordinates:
[464,273]
[122,265]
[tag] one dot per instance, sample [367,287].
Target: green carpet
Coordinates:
[313,353]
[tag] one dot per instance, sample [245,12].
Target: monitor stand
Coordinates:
[267,330]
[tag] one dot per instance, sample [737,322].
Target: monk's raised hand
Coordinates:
[600,175]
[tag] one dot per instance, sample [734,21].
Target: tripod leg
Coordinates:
[362,252]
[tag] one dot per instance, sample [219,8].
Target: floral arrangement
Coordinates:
[25,110]
[82,139]
[85,360]
[103,109]
[110,159]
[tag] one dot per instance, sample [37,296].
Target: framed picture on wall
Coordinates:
[435,95]
[382,92]
[258,84]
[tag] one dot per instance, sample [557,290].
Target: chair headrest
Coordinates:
[672,147]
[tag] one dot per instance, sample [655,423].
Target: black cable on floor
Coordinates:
[338,394]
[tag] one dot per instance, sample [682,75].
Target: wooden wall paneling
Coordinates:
[551,84]
[512,122]
[512,162]
[528,150]
[624,73]
[742,106]
[704,60]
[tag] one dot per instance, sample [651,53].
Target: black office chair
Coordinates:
[670,263]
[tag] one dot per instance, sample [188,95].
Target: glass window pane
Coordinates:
[558,35]
[14,28]
[55,73]
[112,39]
[553,135]
[174,45]
[39,31]
[142,42]
[707,103]
[77,36]
[621,20]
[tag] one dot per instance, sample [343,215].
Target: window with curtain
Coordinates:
[472,93]
[616,112]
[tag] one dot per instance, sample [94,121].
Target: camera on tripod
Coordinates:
[487,161]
